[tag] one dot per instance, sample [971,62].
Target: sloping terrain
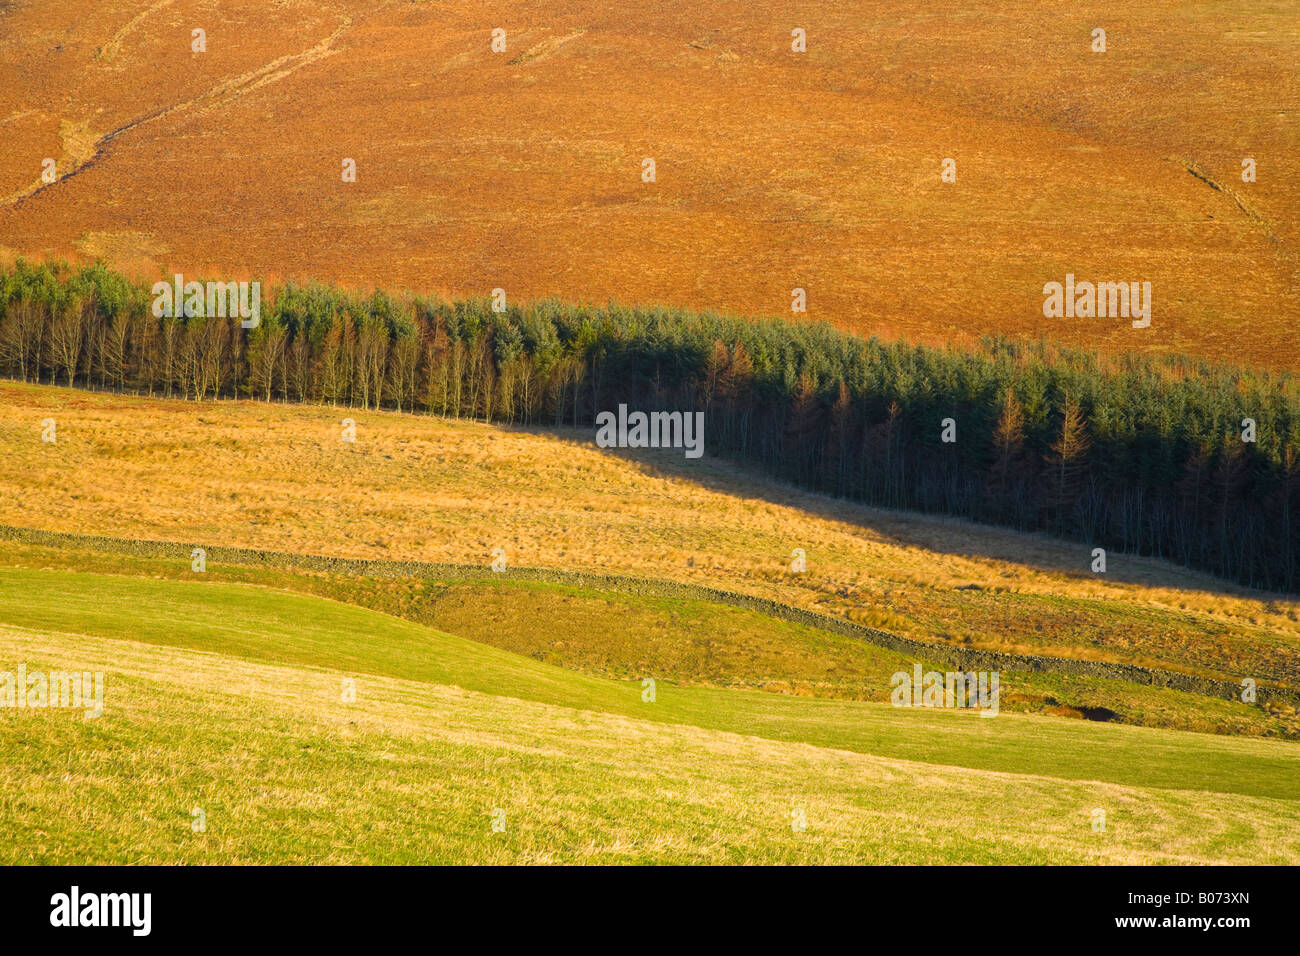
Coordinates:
[820,170]
[227,699]
[605,631]
[420,488]
[302,714]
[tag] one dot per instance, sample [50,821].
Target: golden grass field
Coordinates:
[775,170]
[415,487]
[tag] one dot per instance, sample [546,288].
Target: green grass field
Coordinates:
[613,634]
[227,697]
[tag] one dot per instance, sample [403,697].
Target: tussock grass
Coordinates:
[412,487]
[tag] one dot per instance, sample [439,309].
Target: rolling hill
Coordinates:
[423,488]
[429,622]
[775,170]
[227,699]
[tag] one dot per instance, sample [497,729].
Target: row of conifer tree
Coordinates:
[1170,456]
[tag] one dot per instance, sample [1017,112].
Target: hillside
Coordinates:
[226,698]
[422,488]
[775,170]
[606,630]
[842,433]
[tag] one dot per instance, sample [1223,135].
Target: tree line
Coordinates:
[1143,454]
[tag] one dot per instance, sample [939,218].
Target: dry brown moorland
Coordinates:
[775,169]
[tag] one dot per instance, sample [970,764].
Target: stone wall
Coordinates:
[966,659]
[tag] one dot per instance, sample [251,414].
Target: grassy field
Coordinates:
[227,698]
[420,488]
[501,720]
[620,636]
[274,627]
[774,169]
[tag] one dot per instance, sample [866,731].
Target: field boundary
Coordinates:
[966,659]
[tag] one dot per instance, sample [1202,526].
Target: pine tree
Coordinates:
[1068,451]
[1008,435]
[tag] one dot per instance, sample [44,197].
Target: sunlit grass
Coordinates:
[420,488]
[282,628]
[284,770]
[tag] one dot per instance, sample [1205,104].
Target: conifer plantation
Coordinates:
[1143,454]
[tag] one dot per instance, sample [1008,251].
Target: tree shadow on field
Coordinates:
[940,534]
